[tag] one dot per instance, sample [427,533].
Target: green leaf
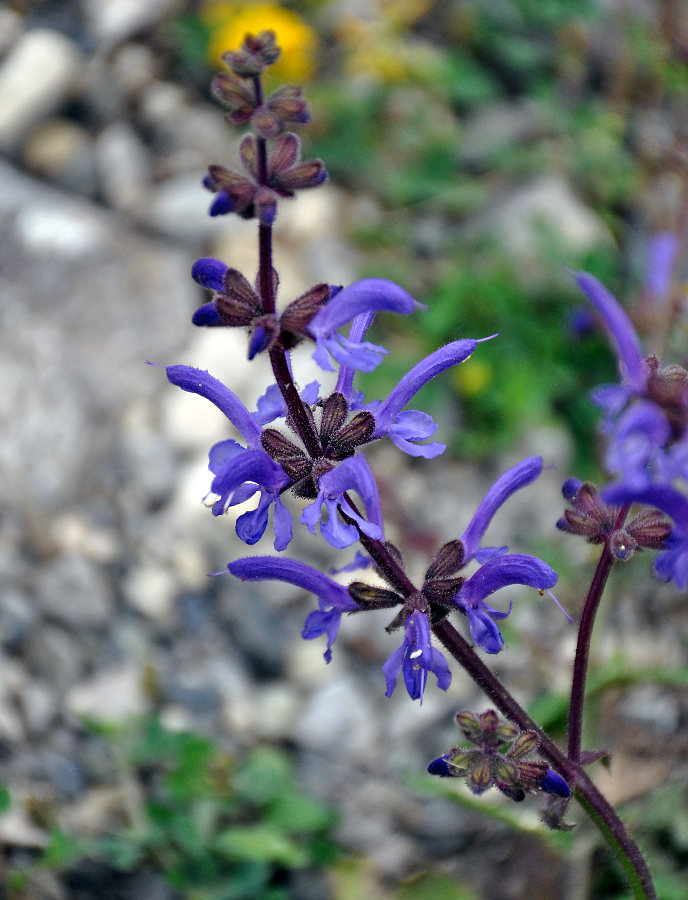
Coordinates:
[298,813]
[264,776]
[63,849]
[261,843]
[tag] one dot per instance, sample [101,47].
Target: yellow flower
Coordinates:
[231,21]
[472,377]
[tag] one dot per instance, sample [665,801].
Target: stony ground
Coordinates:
[105,546]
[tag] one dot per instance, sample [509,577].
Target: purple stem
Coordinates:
[278,359]
[587,622]
[597,806]
[591,799]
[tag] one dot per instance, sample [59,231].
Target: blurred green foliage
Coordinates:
[216,826]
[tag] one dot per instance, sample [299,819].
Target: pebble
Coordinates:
[38,75]
[178,208]
[151,590]
[74,592]
[39,707]
[11,28]
[547,201]
[62,151]
[114,21]
[53,655]
[113,695]
[124,168]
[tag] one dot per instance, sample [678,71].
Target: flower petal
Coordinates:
[207,316]
[520,475]
[293,571]
[444,358]
[512,568]
[365,296]
[197,381]
[621,330]
[209,272]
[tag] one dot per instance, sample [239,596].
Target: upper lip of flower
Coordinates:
[633,364]
[496,573]
[517,477]
[365,296]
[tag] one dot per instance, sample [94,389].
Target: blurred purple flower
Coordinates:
[239,471]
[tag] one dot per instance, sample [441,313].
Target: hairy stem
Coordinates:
[595,804]
[585,629]
[266,287]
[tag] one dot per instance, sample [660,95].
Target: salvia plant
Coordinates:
[309,444]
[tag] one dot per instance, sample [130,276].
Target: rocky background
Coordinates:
[105,546]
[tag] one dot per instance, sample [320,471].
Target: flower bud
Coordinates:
[235,95]
[255,54]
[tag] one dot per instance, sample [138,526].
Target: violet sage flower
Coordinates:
[671,563]
[496,573]
[367,295]
[352,474]
[646,416]
[416,657]
[333,599]
[517,477]
[407,427]
[239,472]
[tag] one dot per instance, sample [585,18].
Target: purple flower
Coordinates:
[352,474]
[239,474]
[240,471]
[496,573]
[368,295]
[672,563]
[553,783]
[631,360]
[520,475]
[417,657]
[647,414]
[333,599]
[405,428]
[197,381]
[271,405]
[662,253]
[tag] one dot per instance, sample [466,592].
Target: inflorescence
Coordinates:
[304,442]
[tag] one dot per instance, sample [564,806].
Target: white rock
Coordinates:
[61,231]
[113,695]
[11,27]
[39,73]
[39,707]
[151,590]
[179,208]
[548,202]
[124,168]
[113,21]
[133,68]
[17,831]
[62,151]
